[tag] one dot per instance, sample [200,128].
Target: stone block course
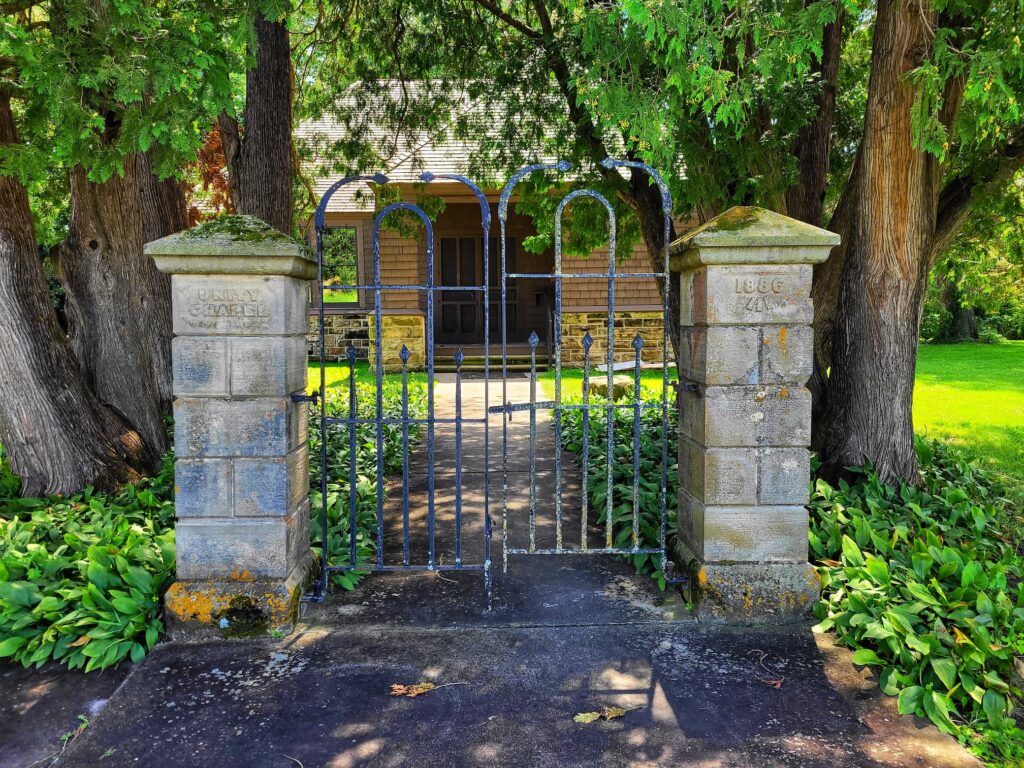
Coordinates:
[747,295]
[265,426]
[241,548]
[238,305]
[398,331]
[746,416]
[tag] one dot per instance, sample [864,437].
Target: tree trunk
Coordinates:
[806,199]
[963,325]
[884,262]
[118,303]
[58,437]
[259,156]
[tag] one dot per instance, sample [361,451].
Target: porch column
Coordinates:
[746,353]
[240,294]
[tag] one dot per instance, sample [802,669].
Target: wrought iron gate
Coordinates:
[374,419]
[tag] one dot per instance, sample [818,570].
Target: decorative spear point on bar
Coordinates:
[458,357]
[638,343]
[534,340]
[350,354]
[404,354]
[588,340]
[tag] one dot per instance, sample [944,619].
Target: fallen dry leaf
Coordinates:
[772,683]
[606,713]
[83,640]
[412,691]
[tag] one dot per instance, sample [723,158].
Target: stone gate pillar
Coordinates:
[746,353]
[240,293]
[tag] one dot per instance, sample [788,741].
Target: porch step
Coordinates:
[475,363]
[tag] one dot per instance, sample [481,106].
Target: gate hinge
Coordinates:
[302,397]
[686,386]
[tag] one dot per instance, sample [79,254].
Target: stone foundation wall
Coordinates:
[340,330]
[398,330]
[575,326]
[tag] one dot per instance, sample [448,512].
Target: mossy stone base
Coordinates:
[209,609]
[747,594]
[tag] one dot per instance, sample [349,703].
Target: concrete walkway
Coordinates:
[567,635]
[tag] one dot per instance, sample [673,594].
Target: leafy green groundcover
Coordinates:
[622,475]
[338,470]
[81,577]
[924,583]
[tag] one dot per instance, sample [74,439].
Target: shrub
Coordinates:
[622,476]
[338,478]
[81,577]
[988,334]
[923,584]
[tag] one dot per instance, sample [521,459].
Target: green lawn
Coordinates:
[341,297]
[972,395]
[338,373]
[572,380]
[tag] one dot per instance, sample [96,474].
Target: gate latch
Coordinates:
[302,397]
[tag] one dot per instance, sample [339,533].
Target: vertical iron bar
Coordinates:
[378,317]
[404,355]
[350,355]
[431,511]
[459,357]
[321,586]
[533,440]
[588,341]
[638,344]
[558,384]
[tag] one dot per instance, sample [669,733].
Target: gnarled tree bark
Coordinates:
[57,435]
[118,304]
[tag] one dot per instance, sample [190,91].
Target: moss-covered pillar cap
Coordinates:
[232,245]
[751,235]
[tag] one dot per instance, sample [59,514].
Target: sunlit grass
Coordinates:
[972,395]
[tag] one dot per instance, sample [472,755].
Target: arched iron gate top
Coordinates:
[377,421]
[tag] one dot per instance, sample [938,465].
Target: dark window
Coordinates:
[341,260]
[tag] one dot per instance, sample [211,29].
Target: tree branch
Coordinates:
[958,195]
[509,19]
[18,7]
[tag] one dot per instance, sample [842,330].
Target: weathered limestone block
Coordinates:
[240,303]
[745,418]
[264,426]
